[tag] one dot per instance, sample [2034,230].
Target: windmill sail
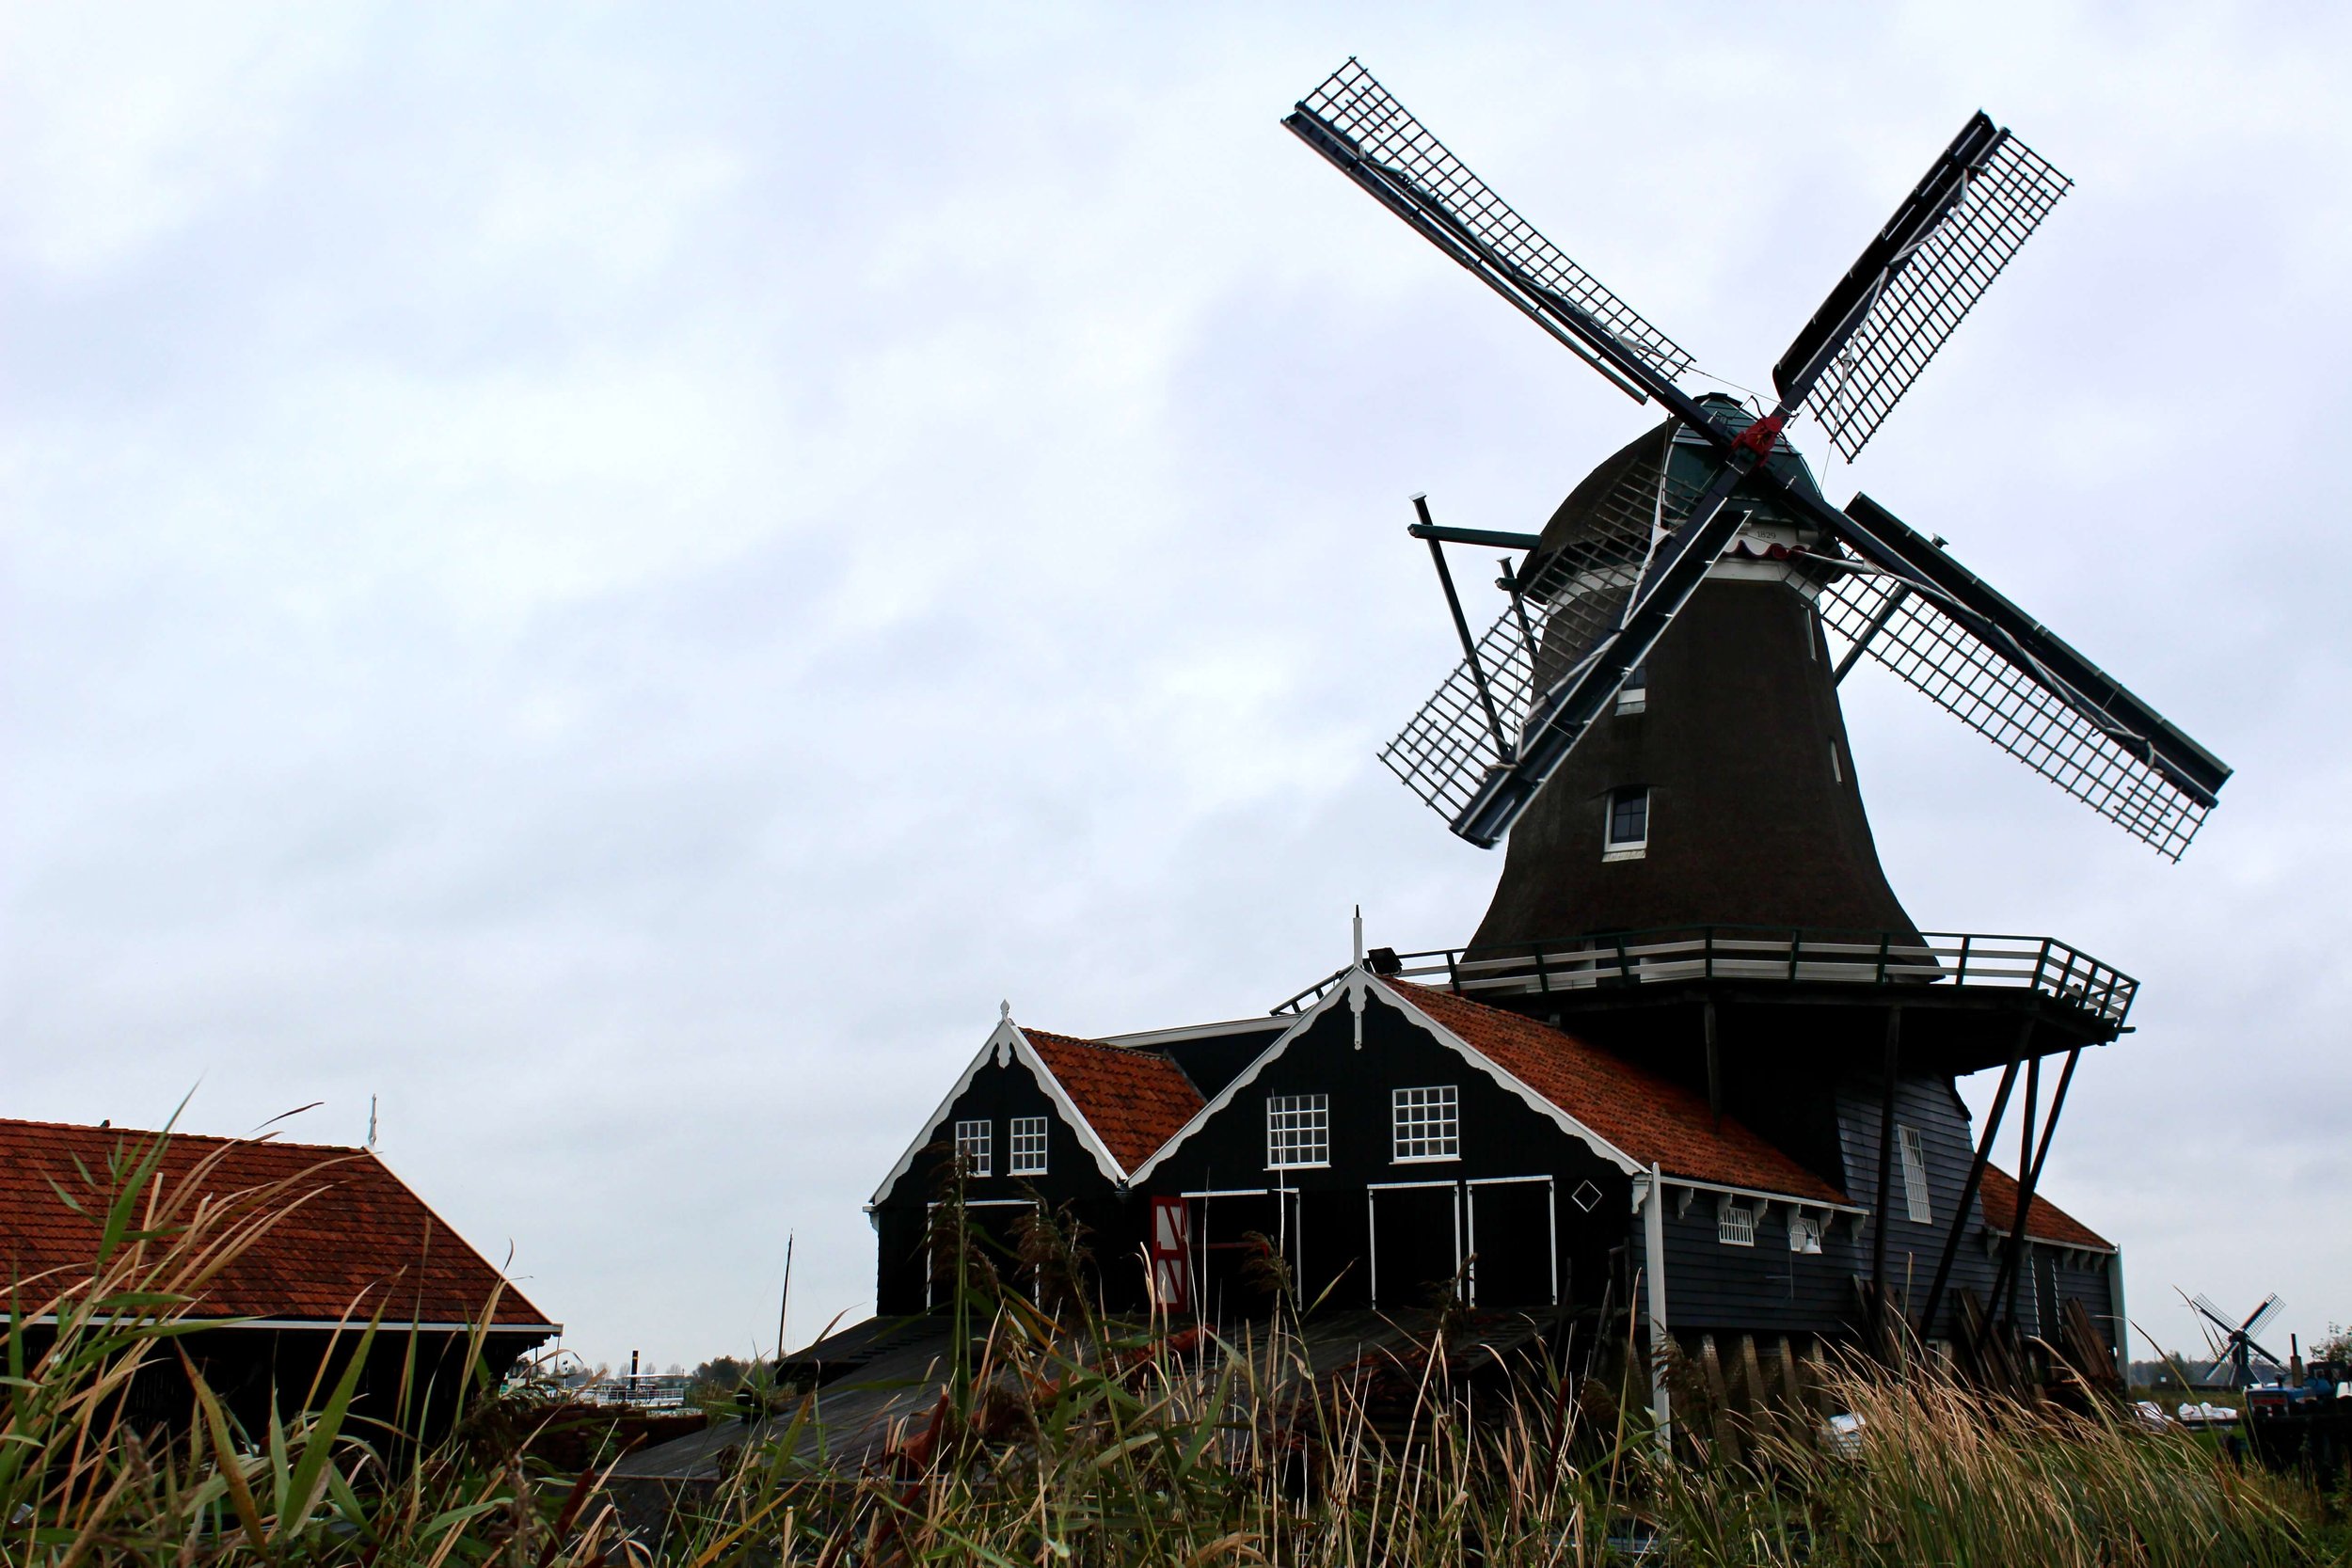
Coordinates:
[1918,278]
[1354,122]
[2020,687]
[1574,600]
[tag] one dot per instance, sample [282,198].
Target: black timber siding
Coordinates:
[998,1094]
[1216,1060]
[1764,1288]
[1500,1135]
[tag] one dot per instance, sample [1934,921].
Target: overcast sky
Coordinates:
[615,578]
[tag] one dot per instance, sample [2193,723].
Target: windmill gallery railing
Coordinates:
[1765,955]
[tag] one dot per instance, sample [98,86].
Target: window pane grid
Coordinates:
[976,1147]
[1297,1131]
[1629,819]
[1427,1123]
[1029,1146]
[1734,1225]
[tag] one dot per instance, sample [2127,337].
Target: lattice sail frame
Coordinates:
[1383,131]
[1925,301]
[1953,668]
[1577,596]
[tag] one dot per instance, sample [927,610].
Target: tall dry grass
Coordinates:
[1067,1439]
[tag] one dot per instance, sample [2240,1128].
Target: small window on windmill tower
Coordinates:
[1627,834]
[1634,696]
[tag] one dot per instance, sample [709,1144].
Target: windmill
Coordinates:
[2234,1344]
[1652,720]
[1598,591]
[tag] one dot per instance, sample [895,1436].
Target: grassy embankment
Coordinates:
[1042,1453]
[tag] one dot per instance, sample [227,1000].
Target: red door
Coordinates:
[1171,1256]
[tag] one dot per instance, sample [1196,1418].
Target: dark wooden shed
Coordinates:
[284,1251]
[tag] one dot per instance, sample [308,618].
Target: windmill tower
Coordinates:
[1717,786]
[1653,719]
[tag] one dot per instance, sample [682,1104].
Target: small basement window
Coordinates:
[1915,1176]
[1627,836]
[1734,1225]
[1634,696]
[976,1147]
[1427,1123]
[1029,1146]
[1805,1233]
[1297,1131]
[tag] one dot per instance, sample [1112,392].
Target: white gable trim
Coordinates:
[1249,1075]
[1004,1043]
[1541,1104]
[1069,1107]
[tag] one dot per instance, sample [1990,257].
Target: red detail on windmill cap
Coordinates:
[1759,436]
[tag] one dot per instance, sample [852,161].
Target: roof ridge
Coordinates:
[1098,1045]
[265,1140]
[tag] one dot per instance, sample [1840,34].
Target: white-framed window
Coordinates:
[1634,696]
[1805,1233]
[1297,1131]
[1915,1175]
[1029,1146]
[1427,1122]
[1734,1225]
[1625,835]
[976,1147]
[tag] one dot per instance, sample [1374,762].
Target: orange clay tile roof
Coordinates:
[2047,1223]
[1649,1118]
[357,1240]
[1135,1099]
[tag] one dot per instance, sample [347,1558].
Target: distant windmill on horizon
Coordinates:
[2233,1345]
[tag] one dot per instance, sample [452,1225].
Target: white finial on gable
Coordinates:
[1004,1012]
[1356,980]
[1004,1034]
